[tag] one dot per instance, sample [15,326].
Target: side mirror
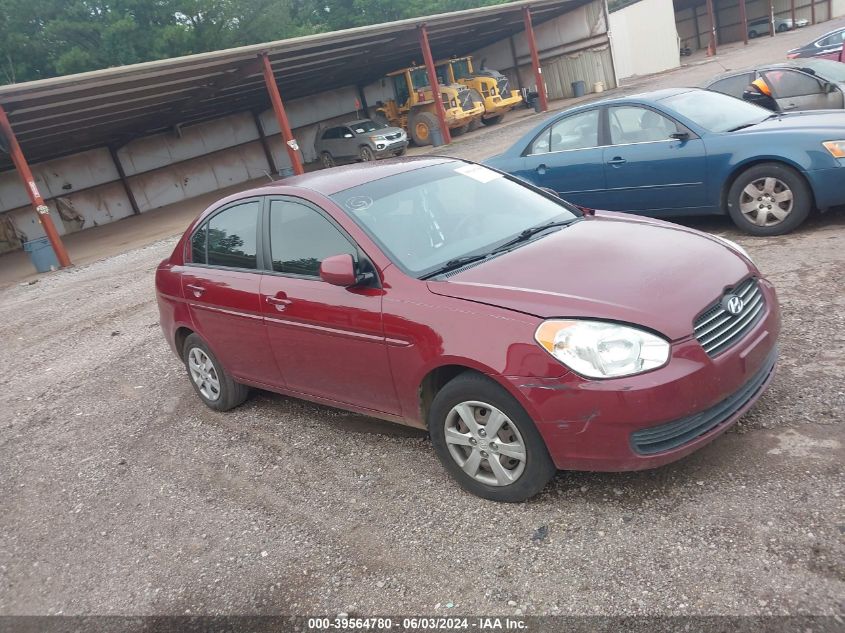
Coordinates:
[339,270]
[348,135]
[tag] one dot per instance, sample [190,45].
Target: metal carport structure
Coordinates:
[108,108]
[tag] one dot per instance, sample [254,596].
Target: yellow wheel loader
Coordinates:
[413,107]
[491,86]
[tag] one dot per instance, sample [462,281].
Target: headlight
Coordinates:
[378,137]
[734,246]
[836,148]
[602,350]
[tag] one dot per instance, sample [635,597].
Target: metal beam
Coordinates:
[813,10]
[281,115]
[42,211]
[422,32]
[124,181]
[711,46]
[744,19]
[771,18]
[535,60]
[264,144]
[792,12]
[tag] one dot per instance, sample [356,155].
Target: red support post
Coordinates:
[42,211]
[743,17]
[771,18]
[711,47]
[432,81]
[792,12]
[535,60]
[813,11]
[282,117]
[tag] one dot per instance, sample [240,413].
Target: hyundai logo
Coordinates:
[733,304]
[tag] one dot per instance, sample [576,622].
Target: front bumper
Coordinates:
[827,185]
[660,416]
[497,105]
[391,148]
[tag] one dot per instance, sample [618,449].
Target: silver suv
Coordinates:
[362,140]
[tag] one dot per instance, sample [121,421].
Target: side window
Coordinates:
[232,236]
[345,132]
[788,83]
[833,40]
[632,124]
[578,131]
[301,238]
[733,86]
[198,244]
[330,134]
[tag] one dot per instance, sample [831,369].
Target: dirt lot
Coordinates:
[121,494]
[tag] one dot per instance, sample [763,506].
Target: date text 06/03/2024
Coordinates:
[478,623]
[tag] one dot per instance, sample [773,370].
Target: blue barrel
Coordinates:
[579,88]
[436,136]
[41,255]
[284,172]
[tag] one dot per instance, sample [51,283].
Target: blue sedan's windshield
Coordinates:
[425,218]
[714,111]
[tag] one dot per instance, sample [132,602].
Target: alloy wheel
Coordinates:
[766,201]
[204,374]
[485,443]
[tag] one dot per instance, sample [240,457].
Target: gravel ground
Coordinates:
[122,494]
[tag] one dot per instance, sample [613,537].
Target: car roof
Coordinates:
[643,97]
[798,64]
[355,121]
[330,181]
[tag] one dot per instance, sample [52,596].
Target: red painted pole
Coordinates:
[432,81]
[744,18]
[792,12]
[42,211]
[535,60]
[710,14]
[771,18]
[281,116]
[813,10]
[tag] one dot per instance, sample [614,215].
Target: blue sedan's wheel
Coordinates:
[769,199]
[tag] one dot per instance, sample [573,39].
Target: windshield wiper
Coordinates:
[527,234]
[742,127]
[457,262]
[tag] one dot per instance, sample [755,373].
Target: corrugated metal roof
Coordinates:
[63,115]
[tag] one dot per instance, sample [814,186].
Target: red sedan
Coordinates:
[526,334]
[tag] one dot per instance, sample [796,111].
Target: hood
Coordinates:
[824,121]
[611,266]
[386,130]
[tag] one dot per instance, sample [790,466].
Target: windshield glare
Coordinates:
[714,111]
[427,217]
[362,127]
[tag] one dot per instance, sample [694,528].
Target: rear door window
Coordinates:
[791,83]
[232,236]
[733,86]
[578,131]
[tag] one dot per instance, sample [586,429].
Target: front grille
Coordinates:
[465,98]
[717,329]
[393,137]
[675,434]
[504,88]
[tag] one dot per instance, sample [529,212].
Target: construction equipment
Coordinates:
[413,107]
[490,85]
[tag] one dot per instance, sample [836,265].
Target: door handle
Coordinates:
[197,290]
[541,169]
[281,301]
[617,160]
[789,106]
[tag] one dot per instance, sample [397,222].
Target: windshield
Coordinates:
[362,127]
[714,111]
[427,217]
[826,69]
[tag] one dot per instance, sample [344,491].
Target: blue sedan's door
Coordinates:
[648,170]
[566,157]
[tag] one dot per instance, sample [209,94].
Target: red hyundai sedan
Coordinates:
[526,334]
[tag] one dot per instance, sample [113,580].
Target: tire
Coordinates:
[769,199]
[228,393]
[366,154]
[458,131]
[328,160]
[480,399]
[493,120]
[782,28]
[421,124]
[401,152]
[752,34]
[474,124]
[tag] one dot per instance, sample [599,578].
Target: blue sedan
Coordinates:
[688,152]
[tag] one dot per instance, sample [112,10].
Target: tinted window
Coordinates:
[629,124]
[833,40]
[345,132]
[578,131]
[733,86]
[789,83]
[330,134]
[301,238]
[198,245]
[231,236]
